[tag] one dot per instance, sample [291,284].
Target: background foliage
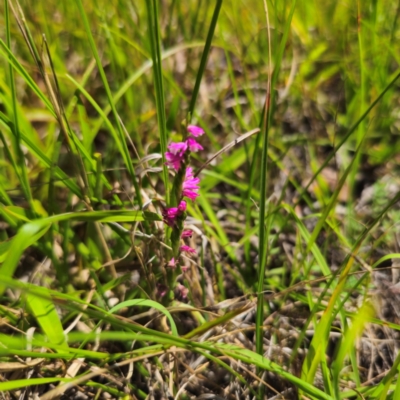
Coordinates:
[91,93]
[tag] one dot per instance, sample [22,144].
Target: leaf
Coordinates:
[21,383]
[147,303]
[32,231]
[42,307]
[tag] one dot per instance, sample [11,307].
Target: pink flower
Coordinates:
[182,206]
[182,291]
[187,233]
[171,214]
[178,148]
[195,130]
[190,186]
[187,249]
[174,160]
[185,268]
[172,263]
[193,145]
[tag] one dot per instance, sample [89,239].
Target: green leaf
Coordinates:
[21,383]
[147,303]
[6,53]
[32,231]
[45,313]
[121,140]
[40,155]
[155,42]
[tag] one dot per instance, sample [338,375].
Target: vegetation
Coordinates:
[285,283]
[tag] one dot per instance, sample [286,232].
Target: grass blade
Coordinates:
[263,230]
[21,383]
[32,231]
[45,313]
[20,169]
[147,303]
[121,139]
[348,134]
[204,57]
[155,42]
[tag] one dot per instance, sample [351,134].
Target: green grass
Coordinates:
[293,290]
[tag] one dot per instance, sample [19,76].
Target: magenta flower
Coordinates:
[174,160]
[190,186]
[187,249]
[187,233]
[195,130]
[182,206]
[171,214]
[178,148]
[193,145]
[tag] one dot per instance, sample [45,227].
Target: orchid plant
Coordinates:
[185,186]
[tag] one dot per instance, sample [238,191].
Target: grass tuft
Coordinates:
[285,282]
